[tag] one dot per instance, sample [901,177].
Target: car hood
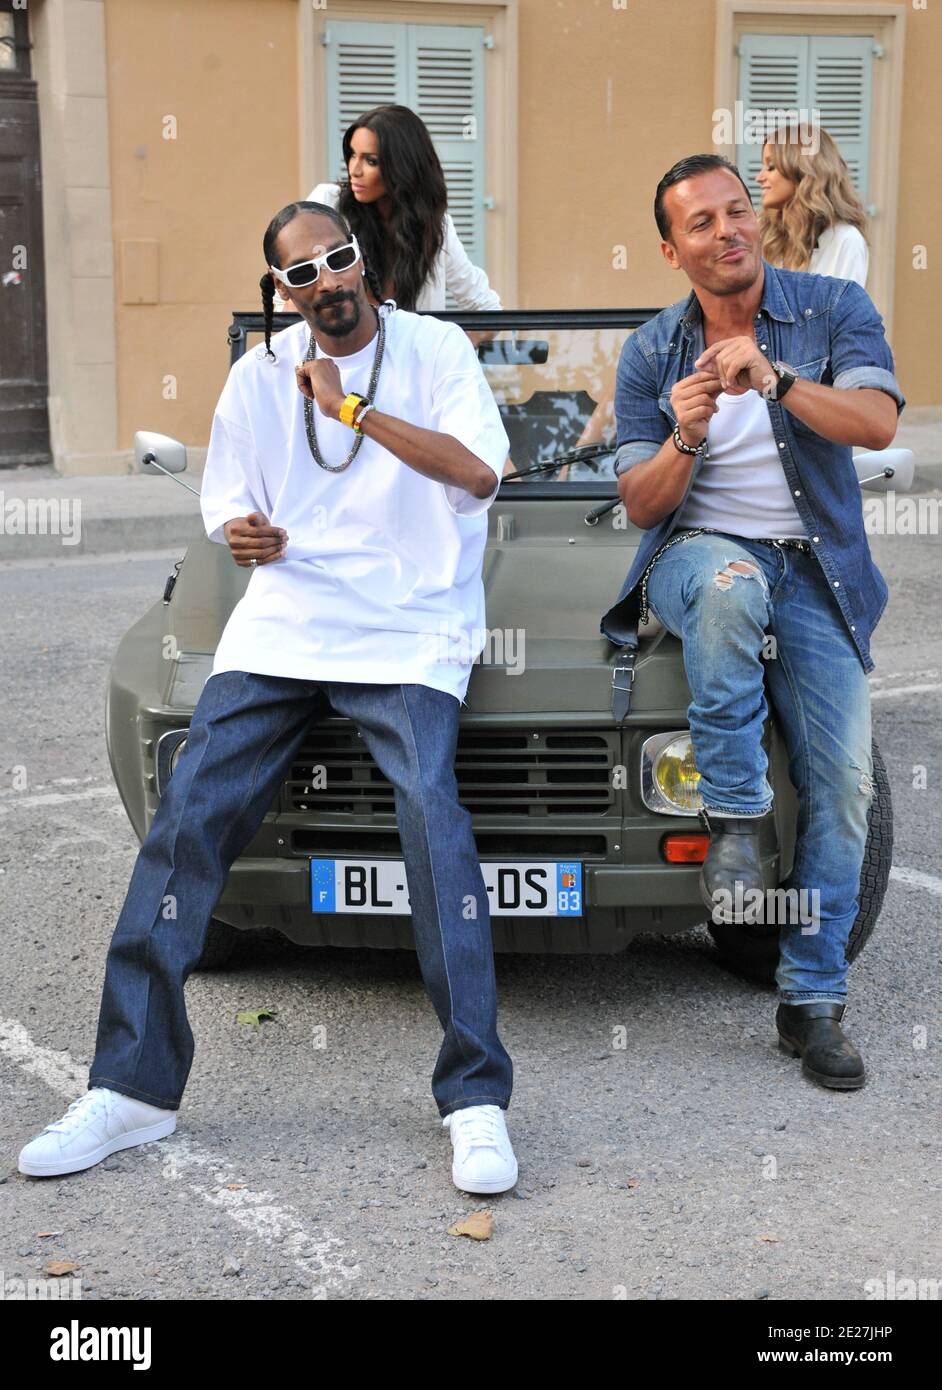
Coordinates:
[548,578]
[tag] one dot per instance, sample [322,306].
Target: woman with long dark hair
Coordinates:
[395,201]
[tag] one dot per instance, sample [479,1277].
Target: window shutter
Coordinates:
[446,70]
[437,70]
[841,79]
[366,66]
[773,76]
[827,73]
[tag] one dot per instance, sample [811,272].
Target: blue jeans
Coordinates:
[245,732]
[818,690]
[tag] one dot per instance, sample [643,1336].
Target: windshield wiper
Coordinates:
[584,451]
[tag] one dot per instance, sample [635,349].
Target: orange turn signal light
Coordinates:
[685,849]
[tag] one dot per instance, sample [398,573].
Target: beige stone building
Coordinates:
[154,139]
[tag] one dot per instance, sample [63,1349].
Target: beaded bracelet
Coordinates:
[361,412]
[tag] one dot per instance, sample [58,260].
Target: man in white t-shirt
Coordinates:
[351,463]
[737,410]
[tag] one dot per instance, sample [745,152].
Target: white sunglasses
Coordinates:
[307,272]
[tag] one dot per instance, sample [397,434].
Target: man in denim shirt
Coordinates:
[737,410]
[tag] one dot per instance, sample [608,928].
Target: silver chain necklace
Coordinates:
[309,425]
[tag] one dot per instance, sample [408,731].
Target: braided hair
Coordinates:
[267,282]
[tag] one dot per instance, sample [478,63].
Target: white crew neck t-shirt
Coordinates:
[741,486]
[381,582]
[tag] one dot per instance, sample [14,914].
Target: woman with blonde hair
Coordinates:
[811,218]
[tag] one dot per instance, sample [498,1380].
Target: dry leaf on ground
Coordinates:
[254,1016]
[478,1226]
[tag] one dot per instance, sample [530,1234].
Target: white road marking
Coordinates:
[181,1158]
[23,801]
[56,782]
[98,557]
[901,675]
[920,683]
[903,690]
[56,1069]
[915,878]
[60,817]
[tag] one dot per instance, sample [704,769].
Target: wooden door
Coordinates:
[24,422]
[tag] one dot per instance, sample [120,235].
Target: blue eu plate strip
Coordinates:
[322,885]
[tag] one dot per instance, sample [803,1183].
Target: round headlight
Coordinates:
[676,775]
[670,782]
[174,756]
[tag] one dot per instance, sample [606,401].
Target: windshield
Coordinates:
[555,391]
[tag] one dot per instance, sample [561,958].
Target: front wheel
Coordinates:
[218,946]
[753,951]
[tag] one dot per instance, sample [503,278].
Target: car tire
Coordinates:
[753,951]
[218,946]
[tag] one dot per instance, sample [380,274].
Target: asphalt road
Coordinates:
[695,1163]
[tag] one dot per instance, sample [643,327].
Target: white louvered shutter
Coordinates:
[773,76]
[840,88]
[830,74]
[366,66]
[447,90]
[438,71]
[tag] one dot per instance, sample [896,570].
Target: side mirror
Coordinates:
[151,449]
[870,468]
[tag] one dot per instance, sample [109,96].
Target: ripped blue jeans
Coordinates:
[756,619]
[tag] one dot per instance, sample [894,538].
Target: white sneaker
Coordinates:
[484,1157]
[94,1126]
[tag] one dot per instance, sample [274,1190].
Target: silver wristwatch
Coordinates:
[787,376]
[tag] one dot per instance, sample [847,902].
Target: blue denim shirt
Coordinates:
[829,331]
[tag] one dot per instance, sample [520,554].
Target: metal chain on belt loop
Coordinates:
[681,536]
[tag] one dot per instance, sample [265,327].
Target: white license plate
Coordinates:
[379,886]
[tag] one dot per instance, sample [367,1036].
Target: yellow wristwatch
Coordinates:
[350,404]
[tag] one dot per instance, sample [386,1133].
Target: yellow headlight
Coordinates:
[676,775]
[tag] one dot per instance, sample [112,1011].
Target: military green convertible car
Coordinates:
[586,826]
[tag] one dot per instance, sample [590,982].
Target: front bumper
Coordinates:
[563,806]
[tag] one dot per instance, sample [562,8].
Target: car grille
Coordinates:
[502,772]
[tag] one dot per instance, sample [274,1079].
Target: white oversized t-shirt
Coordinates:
[381,581]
